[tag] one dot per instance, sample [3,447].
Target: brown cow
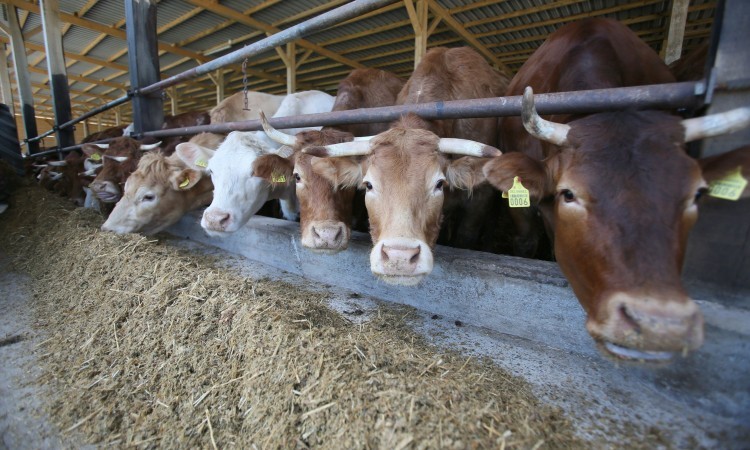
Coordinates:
[188,119]
[617,188]
[111,132]
[120,159]
[406,169]
[325,210]
[232,108]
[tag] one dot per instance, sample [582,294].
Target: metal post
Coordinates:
[719,246]
[143,60]
[20,67]
[57,70]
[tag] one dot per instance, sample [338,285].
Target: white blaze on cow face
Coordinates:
[404,175]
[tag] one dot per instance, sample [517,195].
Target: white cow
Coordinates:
[238,191]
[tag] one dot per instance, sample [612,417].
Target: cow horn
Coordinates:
[467,147]
[57,163]
[555,133]
[54,176]
[363,138]
[102,146]
[39,166]
[145,147]
[353,148]
[716,124]
[88,173]
[117,158]
[276,135]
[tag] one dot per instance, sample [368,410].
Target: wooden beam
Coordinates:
[230,13]
[672,47]
[453,24]
[291,69]
[56,70]
[7,95]
[418,15]
[23,82]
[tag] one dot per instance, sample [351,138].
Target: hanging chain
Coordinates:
[244,83]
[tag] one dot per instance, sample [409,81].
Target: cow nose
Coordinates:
[402,258]
[654,323]
[217,220]
[328,235]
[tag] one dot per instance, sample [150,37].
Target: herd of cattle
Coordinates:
[613,194]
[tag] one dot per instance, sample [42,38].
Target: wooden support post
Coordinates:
[672,47]
[291,69]
[719,246]
[219,86]
[143,59]
[172,93]
[118,115]
[58,77]
[5,81]
[20,67]
[85,128]
[418,15]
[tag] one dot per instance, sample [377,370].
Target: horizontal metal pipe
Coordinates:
[662,96]
[318,23]
[93,112]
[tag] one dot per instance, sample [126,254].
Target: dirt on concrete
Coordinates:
[151,346]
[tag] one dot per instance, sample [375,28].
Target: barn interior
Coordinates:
[523,324]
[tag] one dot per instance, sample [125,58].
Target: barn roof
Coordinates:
[505,31]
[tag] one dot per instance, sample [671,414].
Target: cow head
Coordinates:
[238,192]
[621,196]
[325,209]
[157,195]
[405,172]
[120,159]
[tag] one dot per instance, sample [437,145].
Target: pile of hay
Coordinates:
[152,346]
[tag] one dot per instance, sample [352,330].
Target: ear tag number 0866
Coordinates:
[730,187]
[517,195]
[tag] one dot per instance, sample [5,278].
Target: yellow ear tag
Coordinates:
[95,157]
[518,196]
[730,187]
[278,178]
[185,183]
[201,163]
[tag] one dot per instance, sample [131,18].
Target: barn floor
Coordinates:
[531,395]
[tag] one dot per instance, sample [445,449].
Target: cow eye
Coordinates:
[148,198]
[368,185]
[439,185]
[567,195]
[297,177]
[699,193]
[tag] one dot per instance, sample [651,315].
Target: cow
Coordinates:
[238,192]
[120,159]
[111,132]
[232,108]
[406,171]
[617,189]
[187,119]
[326,211]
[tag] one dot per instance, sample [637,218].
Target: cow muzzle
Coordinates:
[647,329]
[402,261]
[326,236]
[217,222]
[106,191]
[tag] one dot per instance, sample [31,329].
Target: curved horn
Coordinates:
[716,124]
[276,135]
[102,146]
[88,173]
[467,147]
[54,176]
[555,133]
[145,147]
[363,138]
[57,163]
[353,148]
[117,158]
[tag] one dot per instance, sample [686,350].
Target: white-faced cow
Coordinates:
[326,210]
[407,169]
[617,189]
[238,192]
[161,191]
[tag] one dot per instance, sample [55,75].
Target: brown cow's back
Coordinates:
[367,88]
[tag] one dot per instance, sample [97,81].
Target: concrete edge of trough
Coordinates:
[525,298]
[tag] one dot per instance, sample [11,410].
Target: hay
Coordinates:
[151,346]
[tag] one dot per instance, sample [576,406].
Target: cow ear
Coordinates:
[185,179]
[501,170]
[273,168]
[727,165]
[341,172]
[195,156]
[465,172]
[91,149]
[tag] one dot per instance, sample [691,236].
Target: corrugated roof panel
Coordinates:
[170,10]
[77,38]
[108,47]
[107,12]
[32,21]
[220,37]
[193,27]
